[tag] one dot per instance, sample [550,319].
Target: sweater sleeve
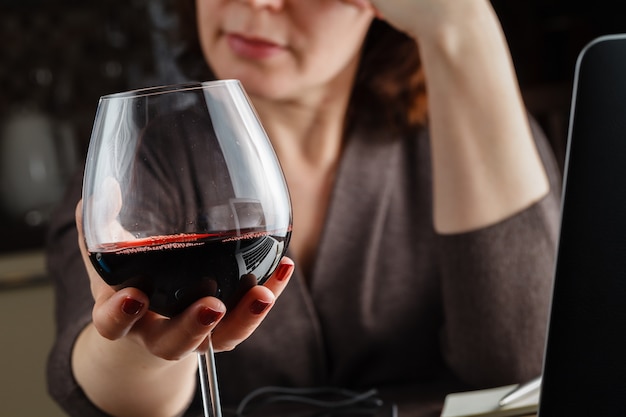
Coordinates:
[497,285]
[73,304]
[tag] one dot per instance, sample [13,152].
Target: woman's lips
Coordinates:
[252,48]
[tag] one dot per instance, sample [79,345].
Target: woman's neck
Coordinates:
[308,138]
[310,131]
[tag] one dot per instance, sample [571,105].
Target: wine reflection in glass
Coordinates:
[183,197]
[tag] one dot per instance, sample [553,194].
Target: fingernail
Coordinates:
[208,316]
[284,270]
[131,306]
[259,306]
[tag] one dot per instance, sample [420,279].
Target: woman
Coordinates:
[424,245]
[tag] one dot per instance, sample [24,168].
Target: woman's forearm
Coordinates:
[485,164]
[140,386]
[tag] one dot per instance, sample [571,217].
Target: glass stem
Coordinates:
[208,382]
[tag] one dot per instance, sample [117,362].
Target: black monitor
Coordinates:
[585,358]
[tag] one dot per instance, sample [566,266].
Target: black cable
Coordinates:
[271,395]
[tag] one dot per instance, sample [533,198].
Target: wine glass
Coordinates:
[183,197]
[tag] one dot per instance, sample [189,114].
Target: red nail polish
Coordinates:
[208,316]
[283,271]
[131,306]
[259,306]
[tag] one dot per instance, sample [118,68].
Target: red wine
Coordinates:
[174,271]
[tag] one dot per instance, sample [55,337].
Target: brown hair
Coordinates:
[389,88]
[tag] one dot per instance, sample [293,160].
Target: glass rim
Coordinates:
[169,88]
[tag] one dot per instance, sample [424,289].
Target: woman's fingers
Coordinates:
[173,339]
[279,279]
[125,312]
[115,313]
[364,4]
[251,309]
[243,319]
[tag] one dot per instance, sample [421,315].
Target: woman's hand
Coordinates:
[128,346]
[122,313]
[420,17]
[485,164]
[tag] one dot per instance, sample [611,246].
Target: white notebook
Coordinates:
[485,403]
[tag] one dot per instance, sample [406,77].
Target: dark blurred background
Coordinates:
[58,57]
[545,38]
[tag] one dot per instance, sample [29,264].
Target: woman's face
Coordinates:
[281,49]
